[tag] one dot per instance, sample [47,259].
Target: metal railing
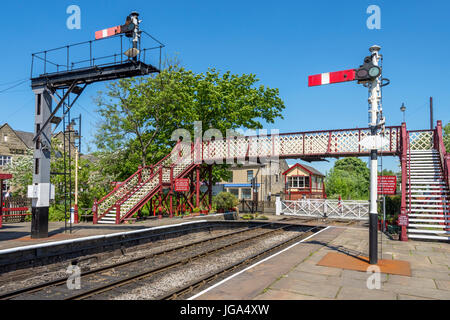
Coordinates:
[94,53]
[324,143]
[326,208]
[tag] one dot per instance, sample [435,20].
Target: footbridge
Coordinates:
[425,193]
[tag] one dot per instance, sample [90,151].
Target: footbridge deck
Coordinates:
[309,146]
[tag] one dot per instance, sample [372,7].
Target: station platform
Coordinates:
[294,274]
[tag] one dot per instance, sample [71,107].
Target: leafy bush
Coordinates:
[196,210]
[262,218]
[248,217]
[225,201]
[349,178]
[393,205]
[56,213]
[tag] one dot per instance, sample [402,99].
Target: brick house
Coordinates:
[269,184]
[14,143]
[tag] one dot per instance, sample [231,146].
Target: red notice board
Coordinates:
[181,185]
[403,220]
[387,185]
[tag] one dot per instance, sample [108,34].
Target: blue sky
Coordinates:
[282,42]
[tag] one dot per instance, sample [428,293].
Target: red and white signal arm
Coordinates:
[109,32]
[331,77]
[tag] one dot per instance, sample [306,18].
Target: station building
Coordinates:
[269,181]
[303,181]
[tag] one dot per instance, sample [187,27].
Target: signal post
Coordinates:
[368,74]
[69,81]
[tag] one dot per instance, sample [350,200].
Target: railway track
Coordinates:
[57,289]
[216,275]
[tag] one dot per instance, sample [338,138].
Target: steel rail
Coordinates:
[145,274]
[38,287]
[174,294]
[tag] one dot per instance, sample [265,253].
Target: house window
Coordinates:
[277,177]
[249,175]
[17,151]
[4,160]
[5,138]
[246,193]
[298,182]
[234,191]
[5,186]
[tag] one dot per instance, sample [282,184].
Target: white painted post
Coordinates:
[374,123]
[278,206]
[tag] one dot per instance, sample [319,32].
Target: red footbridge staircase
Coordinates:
[425,167]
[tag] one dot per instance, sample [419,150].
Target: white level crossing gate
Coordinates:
[324,208]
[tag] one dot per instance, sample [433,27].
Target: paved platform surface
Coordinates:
[18,234]
[295,275]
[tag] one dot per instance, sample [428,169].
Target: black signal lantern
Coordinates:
[128,27]
[368,71]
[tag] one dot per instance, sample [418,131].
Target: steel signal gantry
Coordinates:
[71,78]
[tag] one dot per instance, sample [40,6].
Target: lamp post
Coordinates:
[403,109]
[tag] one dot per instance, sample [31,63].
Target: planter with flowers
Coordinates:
[226,202]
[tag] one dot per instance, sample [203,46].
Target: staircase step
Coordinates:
[443,232]
[106,222]
[429,220]
[416,236]
[422,163]
[413,174]
[420,215]
[429,205]
[108,219]
[428,201]
[436,192]
[437,226]
[431,181]
[446,211]
[429,188]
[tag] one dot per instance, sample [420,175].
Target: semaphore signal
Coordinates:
[368,74]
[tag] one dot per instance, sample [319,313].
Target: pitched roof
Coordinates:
[26,137]
[309,168]
[313,170]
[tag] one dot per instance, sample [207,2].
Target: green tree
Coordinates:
[349,178]
[140,114]
[22,174]
[92,182]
